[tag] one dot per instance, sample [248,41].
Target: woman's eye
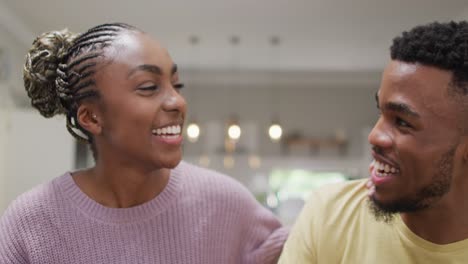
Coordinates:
[179,86]
[148,88]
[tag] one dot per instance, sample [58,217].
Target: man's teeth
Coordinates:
[382,169]
[167,131]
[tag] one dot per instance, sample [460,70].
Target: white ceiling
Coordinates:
[317,35]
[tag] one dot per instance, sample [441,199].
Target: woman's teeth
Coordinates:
[167,132]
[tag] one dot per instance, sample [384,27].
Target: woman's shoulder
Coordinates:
[214,182]
[35,202]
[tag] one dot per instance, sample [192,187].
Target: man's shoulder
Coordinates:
[343,191]
[337,201]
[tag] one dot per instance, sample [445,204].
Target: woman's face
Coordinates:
[141,111]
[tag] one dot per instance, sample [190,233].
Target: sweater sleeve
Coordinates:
[264,237]
[12,249]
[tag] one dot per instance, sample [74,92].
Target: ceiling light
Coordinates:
[275,132]
[193,132]
[234,132]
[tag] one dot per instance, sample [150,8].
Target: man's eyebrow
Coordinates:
[145,67]
[401,108]
[397,107]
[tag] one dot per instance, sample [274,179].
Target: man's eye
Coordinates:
[402,123]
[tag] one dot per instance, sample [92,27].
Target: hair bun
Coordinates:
[40,70]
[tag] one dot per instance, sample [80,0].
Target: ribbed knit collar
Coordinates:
[92,209]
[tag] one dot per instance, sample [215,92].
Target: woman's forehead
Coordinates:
[135,48]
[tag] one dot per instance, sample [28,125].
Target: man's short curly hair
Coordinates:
[442,45]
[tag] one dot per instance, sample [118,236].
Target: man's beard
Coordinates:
[424,198]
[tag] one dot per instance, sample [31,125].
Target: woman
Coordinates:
[119,90]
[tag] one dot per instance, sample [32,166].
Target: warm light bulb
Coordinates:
[255,162]
[204,161]
[228,162]
[193,132]
[234,132]
[275,131]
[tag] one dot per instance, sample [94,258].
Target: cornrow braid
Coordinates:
[76,73]
[60,68]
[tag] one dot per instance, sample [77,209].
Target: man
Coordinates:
[415,206]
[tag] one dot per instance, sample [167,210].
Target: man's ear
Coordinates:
[464,149]
[89,119]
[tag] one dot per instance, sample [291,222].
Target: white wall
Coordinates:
[16,51]
[463,15]
[313,110]
[37,150]
[3,155]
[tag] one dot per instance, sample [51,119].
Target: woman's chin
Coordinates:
[168,163]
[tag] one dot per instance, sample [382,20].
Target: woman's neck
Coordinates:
[121,186]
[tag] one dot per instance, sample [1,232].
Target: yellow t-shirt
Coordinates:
[336,226]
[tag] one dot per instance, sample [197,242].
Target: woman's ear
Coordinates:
[89,119]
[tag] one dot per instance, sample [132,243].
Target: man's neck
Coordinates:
[444,223]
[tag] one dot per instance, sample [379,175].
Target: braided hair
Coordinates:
[442,45]
[59,71]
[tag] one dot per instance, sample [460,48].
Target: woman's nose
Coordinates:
[174,101]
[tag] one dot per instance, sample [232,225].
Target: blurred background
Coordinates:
[280,93]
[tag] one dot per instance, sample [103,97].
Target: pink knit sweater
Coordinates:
[200,217]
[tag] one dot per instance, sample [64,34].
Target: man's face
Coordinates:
[415,140]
